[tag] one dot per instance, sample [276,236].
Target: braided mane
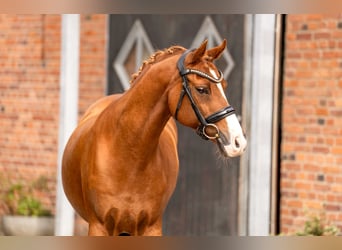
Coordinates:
[156,57]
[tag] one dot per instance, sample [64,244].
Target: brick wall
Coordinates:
[29,88]
[29,91]
[311,149]
[93,59]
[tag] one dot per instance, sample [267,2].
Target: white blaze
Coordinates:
[237,141]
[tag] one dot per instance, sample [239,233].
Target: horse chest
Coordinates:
[130,188]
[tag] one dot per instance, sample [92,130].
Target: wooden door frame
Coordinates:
[258,188]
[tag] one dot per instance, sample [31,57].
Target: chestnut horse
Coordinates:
[121,164]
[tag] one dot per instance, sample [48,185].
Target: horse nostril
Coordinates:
[237,142]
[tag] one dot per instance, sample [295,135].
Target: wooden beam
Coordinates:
[69,77]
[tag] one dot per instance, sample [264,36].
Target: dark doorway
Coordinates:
[205,201]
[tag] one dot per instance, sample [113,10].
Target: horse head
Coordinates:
[197,100]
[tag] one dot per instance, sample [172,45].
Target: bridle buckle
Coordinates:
[201,131]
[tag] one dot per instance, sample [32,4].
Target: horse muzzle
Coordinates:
[229,146]
[232,149]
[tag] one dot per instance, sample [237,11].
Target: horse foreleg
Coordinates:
[107,227]
[97,229]
[155,229]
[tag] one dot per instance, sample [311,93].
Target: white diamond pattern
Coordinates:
[137,40]
[208,31]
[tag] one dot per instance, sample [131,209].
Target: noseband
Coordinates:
[211,119]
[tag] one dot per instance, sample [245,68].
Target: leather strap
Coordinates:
[221,114]
[181,97]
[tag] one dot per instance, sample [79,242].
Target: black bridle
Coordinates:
[211,119]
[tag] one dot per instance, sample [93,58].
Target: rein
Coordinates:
[211,119]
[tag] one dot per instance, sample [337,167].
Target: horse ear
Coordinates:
[199,52]
[216,52]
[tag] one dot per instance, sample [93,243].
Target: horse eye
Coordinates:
[203,90]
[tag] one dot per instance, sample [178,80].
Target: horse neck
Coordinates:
[145,110]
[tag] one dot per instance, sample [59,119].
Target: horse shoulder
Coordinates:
[97,107]
[86,125]
[79,152]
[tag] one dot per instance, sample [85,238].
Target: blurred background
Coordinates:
[284,76]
